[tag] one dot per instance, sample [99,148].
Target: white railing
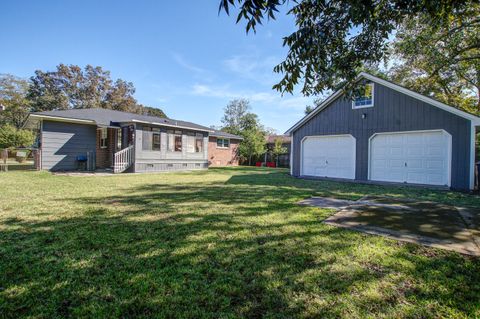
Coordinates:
[123,159]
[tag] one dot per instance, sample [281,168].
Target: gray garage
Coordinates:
[390,134]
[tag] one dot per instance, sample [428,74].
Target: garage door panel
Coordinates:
[329,156]
[411,157]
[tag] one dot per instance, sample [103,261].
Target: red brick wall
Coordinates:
[222,156]
[104,156]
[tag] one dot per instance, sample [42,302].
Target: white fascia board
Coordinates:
[60,119]
[475,119]
[174,126]
[315,111]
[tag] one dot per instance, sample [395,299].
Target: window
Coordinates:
[151,139]
[366,98]
[194,143]
[199,143]
[103,137]
[174,141]
[223,143]
[190,143]
[119,139]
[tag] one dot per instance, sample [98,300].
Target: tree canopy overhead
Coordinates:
[441,60]
[335,38]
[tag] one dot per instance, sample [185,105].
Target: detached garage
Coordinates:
[389,134]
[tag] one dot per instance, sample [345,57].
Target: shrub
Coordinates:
[11,137]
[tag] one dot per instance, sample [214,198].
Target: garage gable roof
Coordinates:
[363,75]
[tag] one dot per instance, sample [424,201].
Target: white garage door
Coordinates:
[329,156]
[414,157]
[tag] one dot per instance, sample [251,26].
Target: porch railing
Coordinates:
[123,159]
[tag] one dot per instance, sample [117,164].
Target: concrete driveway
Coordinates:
[428,223]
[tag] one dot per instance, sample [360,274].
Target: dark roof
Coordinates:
[272,138]
[226,135]
[105,117]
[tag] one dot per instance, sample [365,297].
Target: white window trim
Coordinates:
[224,147]
[104,129]
[356,107]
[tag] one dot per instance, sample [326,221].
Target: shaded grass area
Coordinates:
[223,243]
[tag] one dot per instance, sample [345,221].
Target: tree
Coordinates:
[333,39]
[253,144]
[13,91]
[441,60]
[70,87]
[238,120]
[278,149]
[234,114]
[11,137]
[309,109]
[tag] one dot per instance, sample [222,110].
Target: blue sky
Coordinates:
[181,55]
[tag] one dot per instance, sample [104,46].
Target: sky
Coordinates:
[181,56]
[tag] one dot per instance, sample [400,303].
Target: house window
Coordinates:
[174,141]
[194,143]
[119,139]
[366,98]
[103,137]
[223,143]
[151,139]
[198,143]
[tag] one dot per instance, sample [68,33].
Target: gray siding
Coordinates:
[157,161]
[392,112]
[63,142]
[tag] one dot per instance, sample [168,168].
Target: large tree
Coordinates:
[13,91]
[234,115]
[334,38]
[441,60]
[238,120]
[70,86]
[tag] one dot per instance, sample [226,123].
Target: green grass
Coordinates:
[223,243]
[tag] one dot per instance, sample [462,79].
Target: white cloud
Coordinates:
[270,98]
[180,60]
[253,67]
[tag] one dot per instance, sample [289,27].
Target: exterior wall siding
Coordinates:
[392,112]
[157,161]
[63,142]
[218,157]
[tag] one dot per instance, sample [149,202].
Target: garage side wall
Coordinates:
[63,142]
[392,112]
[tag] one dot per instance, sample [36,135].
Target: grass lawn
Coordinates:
[223,243]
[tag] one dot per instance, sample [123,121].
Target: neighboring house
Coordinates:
[223,149]
[103,139]
[283,159]
[391,134]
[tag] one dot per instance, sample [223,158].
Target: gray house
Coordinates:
[389,134]
[103,139]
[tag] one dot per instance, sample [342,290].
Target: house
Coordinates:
[390,134]
[103,139]
[223,149]
[283,159]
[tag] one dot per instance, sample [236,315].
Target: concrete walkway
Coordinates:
[427,223]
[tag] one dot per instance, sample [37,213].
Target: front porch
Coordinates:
[114,149]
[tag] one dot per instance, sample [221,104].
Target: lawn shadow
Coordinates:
[234,249]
